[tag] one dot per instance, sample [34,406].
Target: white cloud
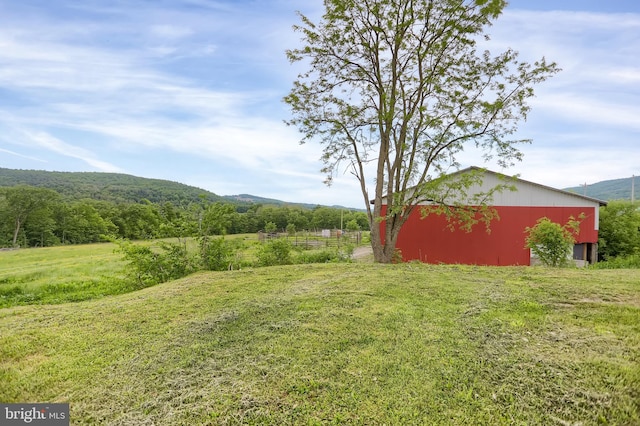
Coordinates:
[48,142]
[625,75]
[28,157]
[204,80]
[590,109]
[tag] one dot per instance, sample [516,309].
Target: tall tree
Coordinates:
[19,202]
[397,88]
[218,218]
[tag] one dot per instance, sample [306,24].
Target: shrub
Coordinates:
[317,256]
[217,254]
[175,261]
[275,252]
[397,256]
[148,266]
[346,252]
[270,228]
[551,242]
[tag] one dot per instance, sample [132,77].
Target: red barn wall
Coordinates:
[431,241]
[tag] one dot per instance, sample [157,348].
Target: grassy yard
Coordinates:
[339,344]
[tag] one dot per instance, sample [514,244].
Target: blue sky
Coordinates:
[191,91]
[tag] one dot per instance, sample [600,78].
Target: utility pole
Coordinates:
[633,188]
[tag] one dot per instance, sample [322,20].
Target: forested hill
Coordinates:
[616,189]
[115,187]
[120,187]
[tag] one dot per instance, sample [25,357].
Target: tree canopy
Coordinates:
[20,202]
[396,89]
[32,216]
[619,233]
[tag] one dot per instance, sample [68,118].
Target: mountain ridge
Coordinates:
[121,187]
[118,187]
[612,189]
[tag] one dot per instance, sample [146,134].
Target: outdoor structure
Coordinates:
[431,240]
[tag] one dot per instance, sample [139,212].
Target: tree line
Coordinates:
[39,217]
[619,232]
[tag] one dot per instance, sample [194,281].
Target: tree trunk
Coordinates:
[16,231]
[383,253]
[376,243]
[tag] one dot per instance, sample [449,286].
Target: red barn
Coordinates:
[431,240]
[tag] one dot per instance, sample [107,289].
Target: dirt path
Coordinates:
[361,253]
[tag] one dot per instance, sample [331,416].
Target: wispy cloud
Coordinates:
[48,142]
[591,109]
[28,157]
[129,102]
[584,120]
[197,86]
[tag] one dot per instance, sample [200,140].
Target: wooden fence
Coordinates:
[316,239]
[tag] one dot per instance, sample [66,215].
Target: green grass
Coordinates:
[339,344]
[60,274]
[74,273]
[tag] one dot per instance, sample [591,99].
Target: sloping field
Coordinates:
[61,274]
[339,344]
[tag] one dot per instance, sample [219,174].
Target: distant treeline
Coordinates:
[32,216]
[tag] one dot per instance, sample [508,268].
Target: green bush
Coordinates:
[175,260]
[551,242]
[148,266]
[275,252]
[217,254]
[317,256]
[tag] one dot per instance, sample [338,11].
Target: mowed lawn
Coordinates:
[339,344]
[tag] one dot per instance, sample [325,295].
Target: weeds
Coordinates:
[620,262]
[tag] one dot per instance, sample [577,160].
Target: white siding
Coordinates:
[529,194]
